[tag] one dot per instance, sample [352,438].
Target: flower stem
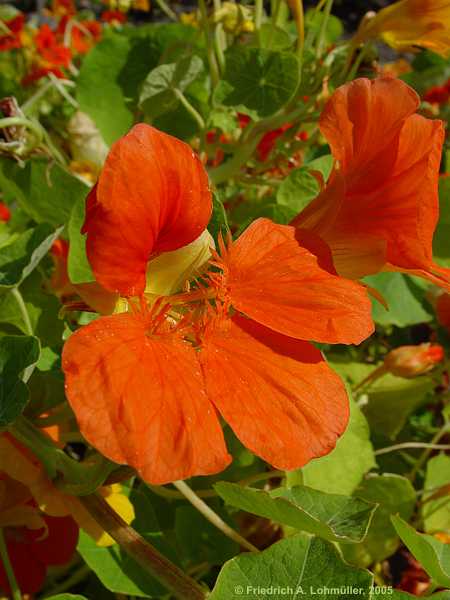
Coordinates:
[148,557]
[22,122]
[406,445]
[424,457]
[212,517]
[15,590]
[191,110]
[167,10]
[323,28]
[213,68]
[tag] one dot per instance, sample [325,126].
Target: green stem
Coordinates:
[247,145]
[406,445]
[22,122]
[15,590]
[357,63]
[259,7]
[212,517]
[191,110]
[167,10]
[213,68]
[323,28]
[148,557]
[23,310]
[28,326]
[299,17]
[424,457]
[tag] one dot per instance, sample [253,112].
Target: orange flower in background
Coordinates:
[13,39]
[52,56]
[113,16]
[34,541]
[411,361]
[145,384]
[409,23]
[380,207]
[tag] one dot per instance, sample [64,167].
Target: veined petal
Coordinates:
[152,197]
[139,399]
[380,208]
[362,123]
[273,276]
[278,395]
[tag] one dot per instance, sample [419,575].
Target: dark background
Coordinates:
[350,11]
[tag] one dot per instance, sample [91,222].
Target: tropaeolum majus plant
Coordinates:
[224,300]
[147,384]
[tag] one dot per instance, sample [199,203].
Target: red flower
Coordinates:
[380,207]
[5,213]
[50,50]
[145,385]
[85,36]
[32,551]
[8,41]
[111,16]
[439,94]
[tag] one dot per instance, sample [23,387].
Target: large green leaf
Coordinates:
[404,298]
[78,267]
[16,354]
[394,495]
[297,567]
[330,516]
[20,257]
[45,191]
[261,80]
[99,91]
[159,90]
[298,189]
[436,513]
[341,471]
[433,555]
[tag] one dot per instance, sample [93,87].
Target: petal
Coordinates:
[380,208]
[139,399]
[152,197]
[273,278]
[29,572]
[278,395]
[351,123]
[58,547]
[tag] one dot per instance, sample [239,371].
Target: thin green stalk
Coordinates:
[15,590]
[23,310]
[28,326]
[213,517]
[299,16]
[167,10]
[191,110]
[22,122]
[361,56]
[323,28]
[425,455]
[259,8]
[213,67]
[274,19]
[406,445]
[168,574]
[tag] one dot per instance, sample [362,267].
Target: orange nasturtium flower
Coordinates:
[380,207]
[409,23]
[145,384]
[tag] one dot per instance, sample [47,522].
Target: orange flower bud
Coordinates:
[410,361]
